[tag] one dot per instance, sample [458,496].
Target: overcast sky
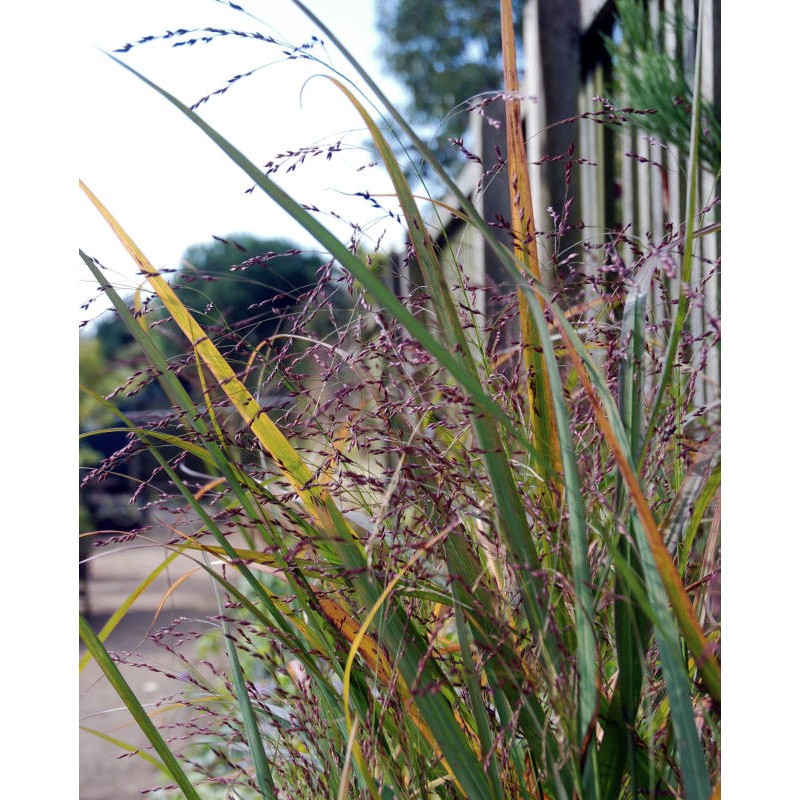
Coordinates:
[171,187]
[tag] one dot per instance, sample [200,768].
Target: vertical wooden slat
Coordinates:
[688,7]
[534,105]
[627,180]
[644,219]
[710,244]
[603,172]
[471,247]
[534,111]
[672,160]
[588,141]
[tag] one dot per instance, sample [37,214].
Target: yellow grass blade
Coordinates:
[270,437]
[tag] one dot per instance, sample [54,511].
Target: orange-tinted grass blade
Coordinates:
[540,402]
[522,218]
[365,644]
[172,588]
[706,661]
[208,487]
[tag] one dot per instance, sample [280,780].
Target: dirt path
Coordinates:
[115,571]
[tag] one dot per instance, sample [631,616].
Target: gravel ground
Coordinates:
[114,572]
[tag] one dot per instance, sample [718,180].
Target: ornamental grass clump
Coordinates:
[444,569]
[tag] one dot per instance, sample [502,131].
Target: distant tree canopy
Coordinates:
[95,372]
[239,285]
[245,284]
[444,52]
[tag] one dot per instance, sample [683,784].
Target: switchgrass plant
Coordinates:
[444,571]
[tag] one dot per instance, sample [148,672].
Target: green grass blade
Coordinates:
[579,544]
[696,781]
[632,626]
[124,746]
[120,685]
[663,585]
[166,438]
[630,371]
[252,733]
[704,498]
[476,698]
[609,420]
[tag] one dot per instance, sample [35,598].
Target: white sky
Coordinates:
[166,183]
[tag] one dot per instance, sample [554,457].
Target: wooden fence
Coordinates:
[621,178]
